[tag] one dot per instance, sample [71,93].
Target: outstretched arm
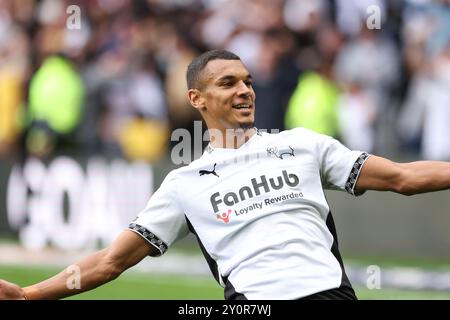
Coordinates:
[405,178]
[95,270]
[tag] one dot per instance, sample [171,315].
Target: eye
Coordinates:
[227,84]
[248,83]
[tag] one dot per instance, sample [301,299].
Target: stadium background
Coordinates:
[87,108]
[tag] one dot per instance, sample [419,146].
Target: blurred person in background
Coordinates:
[127,110]
[55,104]
[279,40]
[350,14]
[55,99]
[313,104]
[357,114]
[276,74]
[368,69]
[175,52]
[426,112]
[274,69]
[14,73]
[424,121]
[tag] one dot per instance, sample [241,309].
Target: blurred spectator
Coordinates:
[370,60]
[314,102]
[306,15]
[314,105]
[426,113]
[357,114]
[176,53]
[275,78]
[14,69]
[55,102]
[425,116]
[145,133]
[368,71]
[313,62]
[351,14]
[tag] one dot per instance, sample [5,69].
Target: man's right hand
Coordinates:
[11,291]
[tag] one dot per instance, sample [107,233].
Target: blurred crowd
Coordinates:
[110,78]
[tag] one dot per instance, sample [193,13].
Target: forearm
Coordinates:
[128,249]
[84,275]
[425,176]
[94,270]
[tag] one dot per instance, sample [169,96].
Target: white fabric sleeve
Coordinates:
[162,222]
[339,166]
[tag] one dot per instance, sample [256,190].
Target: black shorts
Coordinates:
[341,293]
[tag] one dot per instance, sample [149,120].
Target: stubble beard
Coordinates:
[247,126]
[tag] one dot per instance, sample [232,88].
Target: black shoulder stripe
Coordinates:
[150,237]
[354,174]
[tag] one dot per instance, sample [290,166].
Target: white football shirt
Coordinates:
[259,213]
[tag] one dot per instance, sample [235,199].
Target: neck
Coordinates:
[230,138]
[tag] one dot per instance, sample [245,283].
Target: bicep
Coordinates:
[128,249]
[380,174]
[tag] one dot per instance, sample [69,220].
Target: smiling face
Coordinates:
[226,99]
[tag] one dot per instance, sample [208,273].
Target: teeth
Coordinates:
[240,106]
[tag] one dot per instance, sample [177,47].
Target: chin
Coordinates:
[247,125]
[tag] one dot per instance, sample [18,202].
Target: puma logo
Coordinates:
[213,171]
[277,154]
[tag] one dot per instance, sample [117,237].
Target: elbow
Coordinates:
[405,190]
[406,187]
[404,184]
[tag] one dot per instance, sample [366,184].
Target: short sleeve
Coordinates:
[162,221]
[339,166]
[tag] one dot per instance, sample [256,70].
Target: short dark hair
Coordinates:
[197,65]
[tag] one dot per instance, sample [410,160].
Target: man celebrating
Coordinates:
[254,200]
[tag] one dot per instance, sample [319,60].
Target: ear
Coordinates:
[196,99]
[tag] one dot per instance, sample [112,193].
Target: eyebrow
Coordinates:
[230,77]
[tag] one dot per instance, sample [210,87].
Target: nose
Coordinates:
[243,90]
